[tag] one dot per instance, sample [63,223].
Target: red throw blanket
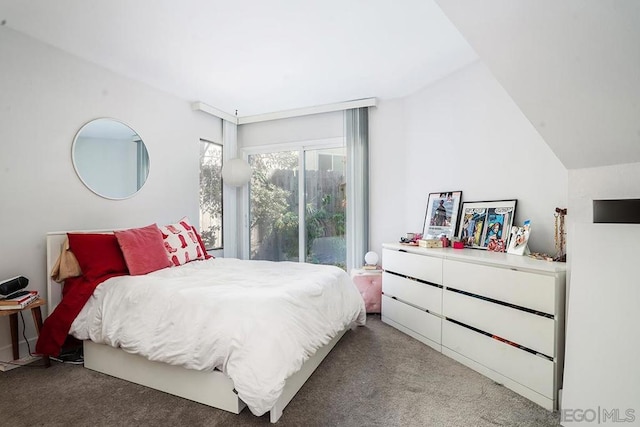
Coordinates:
[76,293]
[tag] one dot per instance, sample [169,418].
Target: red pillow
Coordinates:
[143,249]
[202,246]
[97,254]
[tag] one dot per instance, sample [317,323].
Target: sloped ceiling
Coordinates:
[255,56]
[572,66]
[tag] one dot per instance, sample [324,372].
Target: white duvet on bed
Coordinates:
[257,321]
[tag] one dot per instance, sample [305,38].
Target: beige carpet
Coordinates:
[375,376]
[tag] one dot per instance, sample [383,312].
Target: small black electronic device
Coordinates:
[9,286]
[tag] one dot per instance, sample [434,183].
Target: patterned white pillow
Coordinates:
[181,243]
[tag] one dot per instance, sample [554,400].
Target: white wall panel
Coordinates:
[601,365]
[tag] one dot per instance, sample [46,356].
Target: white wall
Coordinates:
[47,95]
[461,133]
[603,280]
[606,182]
[387,175]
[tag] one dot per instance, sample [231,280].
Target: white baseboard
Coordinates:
[6,352]
[4,367]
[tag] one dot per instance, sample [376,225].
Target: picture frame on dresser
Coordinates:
[487,224]
[441,216]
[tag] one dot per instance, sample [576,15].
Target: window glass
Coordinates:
[211,194]
[273,206]
[325,206]
[278,212]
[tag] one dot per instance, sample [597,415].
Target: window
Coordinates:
[308,201]
[211,194]
[325,206]
[274,206]
[286,225]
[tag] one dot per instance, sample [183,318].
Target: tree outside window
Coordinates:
[275,209]
[211,194]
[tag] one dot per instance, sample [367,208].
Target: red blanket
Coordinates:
[77,291]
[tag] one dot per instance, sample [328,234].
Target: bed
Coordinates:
[232,370]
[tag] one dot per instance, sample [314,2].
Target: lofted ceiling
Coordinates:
[255,56]
[572,67]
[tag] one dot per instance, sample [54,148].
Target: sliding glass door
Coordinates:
[325,206]
[274,206]
[286,224]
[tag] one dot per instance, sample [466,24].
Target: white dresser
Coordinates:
[499,314]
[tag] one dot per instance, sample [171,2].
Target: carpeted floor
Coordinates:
[375,376]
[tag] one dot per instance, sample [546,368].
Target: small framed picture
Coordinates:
[442,213]
[519,239]
[487,225]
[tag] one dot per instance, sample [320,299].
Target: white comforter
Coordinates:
[257,321]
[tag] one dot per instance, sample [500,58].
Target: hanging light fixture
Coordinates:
[236,172]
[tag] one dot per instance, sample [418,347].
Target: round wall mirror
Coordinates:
[110,158]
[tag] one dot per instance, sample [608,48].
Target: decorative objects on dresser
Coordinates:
[441,216]
[560,235]
[519,238]
[500,315]
[411,239]
[486,225]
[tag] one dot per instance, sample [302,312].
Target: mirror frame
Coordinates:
[75,167]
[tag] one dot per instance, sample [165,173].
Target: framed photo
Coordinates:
[519,239]
[442,214]
[487,225]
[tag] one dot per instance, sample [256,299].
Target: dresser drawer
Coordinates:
[529,290]
[527,329]
[428,297]
[520,366]
[421,267]
[418,321]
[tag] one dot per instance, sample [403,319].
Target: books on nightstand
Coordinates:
[19,301]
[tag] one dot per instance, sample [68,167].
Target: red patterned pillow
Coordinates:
[97,254]
[143,249]
[181,243]
[202,246]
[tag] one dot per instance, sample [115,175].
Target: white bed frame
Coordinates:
[209,388]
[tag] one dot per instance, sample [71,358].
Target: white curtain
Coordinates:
[357,140]
[230,218]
